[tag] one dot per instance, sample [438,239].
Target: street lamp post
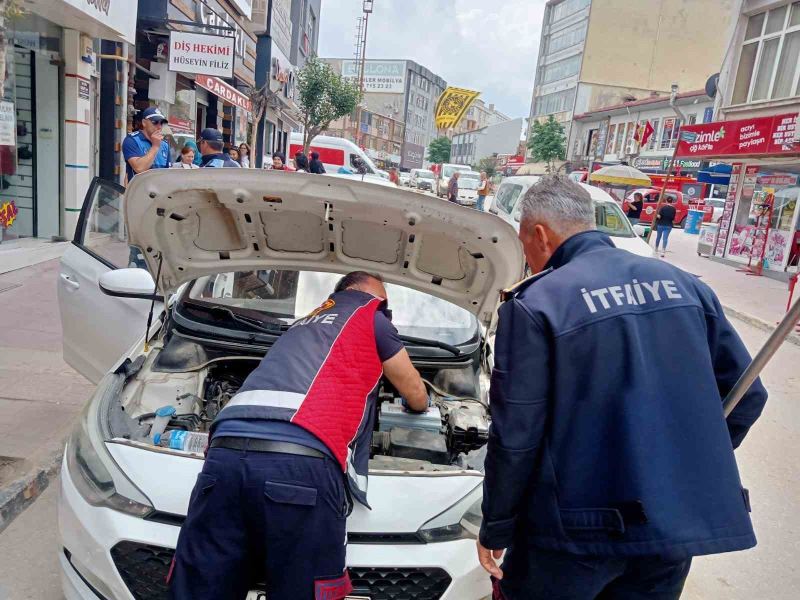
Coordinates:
[367,10]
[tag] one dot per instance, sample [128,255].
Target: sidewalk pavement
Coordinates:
[759,301]
[27,252]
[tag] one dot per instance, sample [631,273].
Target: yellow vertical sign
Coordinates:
[452,105]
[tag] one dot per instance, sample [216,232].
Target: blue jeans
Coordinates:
[479,205]
[662,233]
[538,574]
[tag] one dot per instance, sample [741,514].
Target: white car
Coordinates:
[422,179]
[717,206]
[405,178]
[238,255]
[609,216]
[447,171]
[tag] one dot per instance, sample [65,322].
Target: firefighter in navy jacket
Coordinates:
[290,450]
[610,463]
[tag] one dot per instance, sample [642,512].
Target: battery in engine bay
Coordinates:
[394,415]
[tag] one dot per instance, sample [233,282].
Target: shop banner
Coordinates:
[201,53]
[764,135]
[227,92]
[8,127]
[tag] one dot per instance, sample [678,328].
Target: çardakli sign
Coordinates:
[763,135]
[201,53]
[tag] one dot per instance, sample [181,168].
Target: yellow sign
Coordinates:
[452,105]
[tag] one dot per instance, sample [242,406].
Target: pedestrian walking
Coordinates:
[635,208]
[483,191]
[233,154]
[316,165]
[211,145]
[290,450]
[301,162]
[244,155]
[186,159]
[452,187]
[146,148]
[665,223]
[394,177]
[603,475]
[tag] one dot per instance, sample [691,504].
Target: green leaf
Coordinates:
[439,150]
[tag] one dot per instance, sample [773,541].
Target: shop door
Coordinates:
[47,161]
[17,182]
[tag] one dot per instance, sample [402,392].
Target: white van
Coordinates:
[334,153]
[444,177]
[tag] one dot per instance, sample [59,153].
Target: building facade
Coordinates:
[756,132]
[402,90]
[581,68]
[51,106]
[607,135]
[380,136]
[478,116]
[502,138]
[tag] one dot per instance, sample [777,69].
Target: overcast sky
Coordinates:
[486,45]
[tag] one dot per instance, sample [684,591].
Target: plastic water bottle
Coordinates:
[178,439]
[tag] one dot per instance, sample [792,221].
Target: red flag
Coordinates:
[643,133]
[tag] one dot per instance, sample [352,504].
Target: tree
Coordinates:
[546,142]
[439,150]
[323,96]
[488,164]
[260,98]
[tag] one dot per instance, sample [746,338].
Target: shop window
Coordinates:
[612,136]
[652,143]
[561,69]
[620,143]
[768,64]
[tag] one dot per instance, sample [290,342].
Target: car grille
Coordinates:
[144,570]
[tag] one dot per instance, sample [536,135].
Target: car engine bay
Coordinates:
[158,399]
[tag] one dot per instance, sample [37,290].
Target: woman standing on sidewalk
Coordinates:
[665,223]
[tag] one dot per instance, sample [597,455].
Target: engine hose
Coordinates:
[446,396]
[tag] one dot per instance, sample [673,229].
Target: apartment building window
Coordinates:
[669,134]
[568,7]
[561,69]
[566,38]
[652,143]
[311,27]
[612,136]
[692,119]
[555,102]
[768,64]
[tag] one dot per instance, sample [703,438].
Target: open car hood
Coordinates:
[208,221]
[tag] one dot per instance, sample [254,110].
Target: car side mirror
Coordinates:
[517,217]
[129,283]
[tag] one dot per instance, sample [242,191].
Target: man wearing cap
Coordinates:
[210,145]
[146,149]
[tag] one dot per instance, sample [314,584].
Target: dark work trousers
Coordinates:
[263,516]
[535,574]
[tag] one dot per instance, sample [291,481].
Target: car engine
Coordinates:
[454,425]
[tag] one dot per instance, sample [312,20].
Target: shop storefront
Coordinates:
[48,105]
[282,117]
[198,75]
[760,224]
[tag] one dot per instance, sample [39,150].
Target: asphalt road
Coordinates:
[768,460]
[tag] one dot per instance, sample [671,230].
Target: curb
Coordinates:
[23,491]
[792,338]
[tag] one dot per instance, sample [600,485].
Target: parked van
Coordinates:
[334,153]
[444,177]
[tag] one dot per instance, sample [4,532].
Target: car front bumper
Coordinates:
[104,548]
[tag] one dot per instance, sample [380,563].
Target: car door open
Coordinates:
[97,329]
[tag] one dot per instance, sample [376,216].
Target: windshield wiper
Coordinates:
[431,344]
[268,325]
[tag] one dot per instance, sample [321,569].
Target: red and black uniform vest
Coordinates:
[322,375]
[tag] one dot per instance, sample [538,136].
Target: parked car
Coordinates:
[446,172]
[239,256]
[405,177]
[609,217]
[680,202]
[422,179]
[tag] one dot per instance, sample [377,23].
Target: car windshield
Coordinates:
[448,171]
[425,174]
[610,220]
[289,295]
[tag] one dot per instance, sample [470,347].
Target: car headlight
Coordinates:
[92,469]
[460,521]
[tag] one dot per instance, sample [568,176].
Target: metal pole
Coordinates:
[764,355]
[359,135]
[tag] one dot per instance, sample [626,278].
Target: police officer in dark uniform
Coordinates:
[608,468]
[290,450]
[210,145]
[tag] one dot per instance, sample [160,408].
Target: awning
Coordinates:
[719,174]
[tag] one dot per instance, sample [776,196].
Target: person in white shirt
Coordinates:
[244,155]
[186,160]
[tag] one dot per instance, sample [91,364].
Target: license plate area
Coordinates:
[260,595]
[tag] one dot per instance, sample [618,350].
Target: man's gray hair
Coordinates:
[560,203]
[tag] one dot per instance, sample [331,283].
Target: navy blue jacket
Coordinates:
[219,161]
[607,434]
